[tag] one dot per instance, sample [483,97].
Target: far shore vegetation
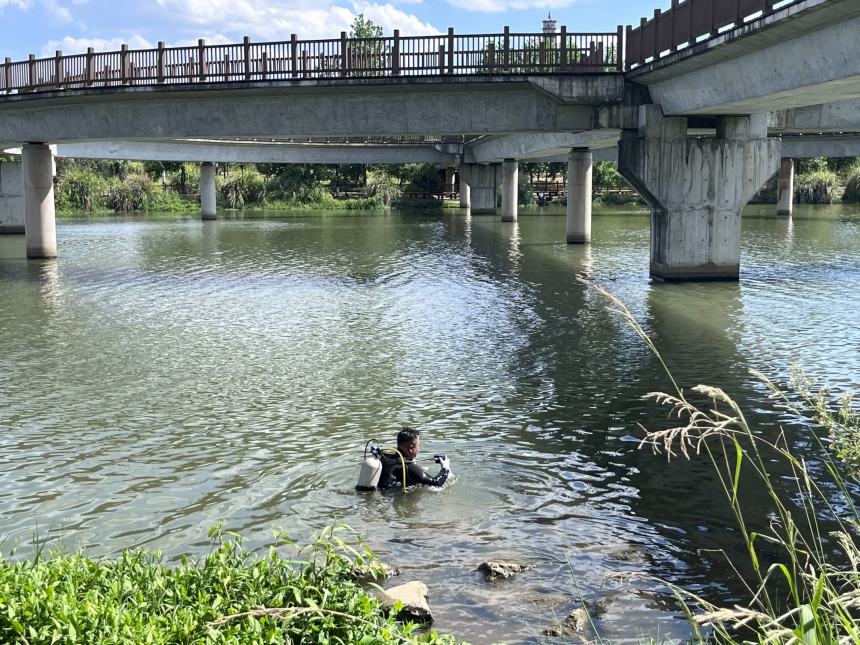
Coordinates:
[105,187]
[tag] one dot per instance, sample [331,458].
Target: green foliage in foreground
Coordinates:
[803,574]
[228,596]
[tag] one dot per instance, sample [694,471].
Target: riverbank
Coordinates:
[230,595]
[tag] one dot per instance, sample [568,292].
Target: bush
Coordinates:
[852,190]
[229,596]
[816,187]
[245,188]
[381,189]
[168,200]
[80,189]
[134,193]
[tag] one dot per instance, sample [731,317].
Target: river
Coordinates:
[167,373]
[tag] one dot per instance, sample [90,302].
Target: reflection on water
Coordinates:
[163,375]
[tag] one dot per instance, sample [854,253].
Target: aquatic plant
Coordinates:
[810,593]
[130,194]
[852,190]
[228,596]
[816,187]
[80,189]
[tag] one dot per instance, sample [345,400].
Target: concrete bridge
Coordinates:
[692,102]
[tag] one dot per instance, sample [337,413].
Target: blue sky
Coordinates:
[42,26]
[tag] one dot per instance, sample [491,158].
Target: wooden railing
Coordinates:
[445,54]
[690,21]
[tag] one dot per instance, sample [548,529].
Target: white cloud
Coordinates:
[20,4]
[309,19]
[72,45]
[57,11]
[494,6]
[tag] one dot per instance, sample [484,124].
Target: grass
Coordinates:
[810,592]
[228,596]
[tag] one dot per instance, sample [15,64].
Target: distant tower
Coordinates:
[549,24]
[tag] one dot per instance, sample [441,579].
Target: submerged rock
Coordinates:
[577,624]
[413,597]
[375,573]
[501,570]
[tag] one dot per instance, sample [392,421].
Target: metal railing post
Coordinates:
[226,67]
[294,55]
[123,63]
[619,48]
[656,52]
[395,54]
[31,64]
[450,50]
[343,53]
[160,62]
[58,68]
[507,44]
[7,75]
[562,62]
[265,64]
[201,59]
[246,44]
[491,57]
[441,59]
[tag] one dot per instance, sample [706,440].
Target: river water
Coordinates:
[168,373]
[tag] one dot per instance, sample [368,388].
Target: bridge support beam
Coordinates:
[785,188]
[510,186]
[208,194]
[11,198]
[449,182]
[579,166]
[483,179]
[696,188]
[40,226]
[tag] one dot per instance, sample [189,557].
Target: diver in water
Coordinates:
[408,445]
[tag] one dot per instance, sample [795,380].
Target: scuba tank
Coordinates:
[371,467]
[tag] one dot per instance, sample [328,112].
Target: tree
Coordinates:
[366,48]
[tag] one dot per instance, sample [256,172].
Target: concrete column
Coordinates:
[696,188]
[785,188]
[465,193]
[449,182]
[483,179]
[579,165]
[510,183]
[11,197]
[208,200]
[40,227]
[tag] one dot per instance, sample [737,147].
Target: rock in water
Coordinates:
[577,623]
[413,597]
[501,570]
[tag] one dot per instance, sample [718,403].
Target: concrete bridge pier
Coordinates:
[208,194]
[483,179]
[40,226]
[449,181]
[465,193]
[510,189]
[785,188]
[11,198]
[696,188]
[579,167]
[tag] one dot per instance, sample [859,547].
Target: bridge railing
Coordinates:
[396,56]
[691,21]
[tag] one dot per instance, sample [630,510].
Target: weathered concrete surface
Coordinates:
[510,186]
[835,116]
[208,192]
[11,198]
[537,144]
[807,54]
[696,188]
[483,180]
[288,109]
[785,187]
[258,152]
[465,193]
[579,187]
[413,596]
[40,226]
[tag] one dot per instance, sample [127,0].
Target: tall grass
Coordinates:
[811,593]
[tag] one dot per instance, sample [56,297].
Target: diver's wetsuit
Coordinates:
[392,473]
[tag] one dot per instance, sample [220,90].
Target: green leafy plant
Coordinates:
[228,596]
